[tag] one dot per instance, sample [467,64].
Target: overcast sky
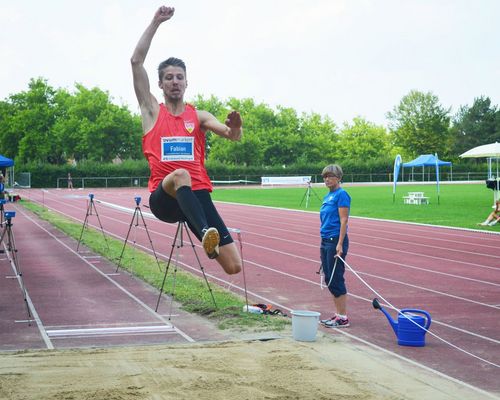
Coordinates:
[338,58]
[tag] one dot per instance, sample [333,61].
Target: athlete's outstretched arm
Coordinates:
[231,130]
[147,101]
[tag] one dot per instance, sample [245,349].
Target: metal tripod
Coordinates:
[91,206]
[135,222]
[2,202]
[179,243]
[307,194]
[11,250]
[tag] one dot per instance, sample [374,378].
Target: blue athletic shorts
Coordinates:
[328,252]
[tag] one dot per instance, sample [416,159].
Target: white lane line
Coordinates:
[354,233]
[426,238]
[389,221]
[361,244]
[382,260]
[132,296]
[315,261]
[32,308]
[122,330]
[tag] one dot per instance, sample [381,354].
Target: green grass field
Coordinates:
[460,205]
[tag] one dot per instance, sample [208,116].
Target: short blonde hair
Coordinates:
[333,169]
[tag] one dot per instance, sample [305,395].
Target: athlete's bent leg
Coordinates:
[178,185]
[229,258]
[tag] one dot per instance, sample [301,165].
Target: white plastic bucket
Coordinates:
[305,325]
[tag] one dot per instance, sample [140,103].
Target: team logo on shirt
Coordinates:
[189,125]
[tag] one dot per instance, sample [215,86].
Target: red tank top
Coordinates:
[176,141]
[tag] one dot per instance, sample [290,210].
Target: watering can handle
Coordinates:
[427,315]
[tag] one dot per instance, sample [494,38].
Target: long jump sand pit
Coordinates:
[328,368]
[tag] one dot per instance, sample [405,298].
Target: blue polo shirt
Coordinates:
[329,212]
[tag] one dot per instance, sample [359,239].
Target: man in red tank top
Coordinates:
[174,145]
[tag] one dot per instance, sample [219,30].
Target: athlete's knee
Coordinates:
[233,267]
[236,267]
[181,177]
[176,179]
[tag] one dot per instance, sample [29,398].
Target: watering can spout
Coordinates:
[394,324]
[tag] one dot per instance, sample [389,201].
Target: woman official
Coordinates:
[334,215]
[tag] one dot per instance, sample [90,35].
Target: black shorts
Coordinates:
[166,208]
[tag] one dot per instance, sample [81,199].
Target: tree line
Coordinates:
[55,126]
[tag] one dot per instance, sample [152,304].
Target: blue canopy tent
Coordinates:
[428,160]
[5,163]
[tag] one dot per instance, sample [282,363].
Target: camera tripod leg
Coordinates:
[85,221]
[11,252]
[91,207]
[200,265]
[135,218]
[150,241]
[100,224]
[180,227]
[126,240]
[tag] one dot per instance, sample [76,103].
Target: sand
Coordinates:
[332,367]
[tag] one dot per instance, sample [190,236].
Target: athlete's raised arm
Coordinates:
[147,102]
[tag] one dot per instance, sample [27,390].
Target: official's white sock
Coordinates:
[342,316]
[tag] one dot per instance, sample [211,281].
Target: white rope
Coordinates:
[322,275]
[420,326]
[333,271]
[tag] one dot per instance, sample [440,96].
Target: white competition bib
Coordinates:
[177,148]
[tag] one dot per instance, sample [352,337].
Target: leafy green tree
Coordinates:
[93,128]
[9,138]
[44,125]
[282,141]
[271,137]
[319,140]
[245,152]
[363,140]
[213,105]
[26,129]
[476,125]
[420,125]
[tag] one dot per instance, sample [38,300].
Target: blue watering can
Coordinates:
[409,329]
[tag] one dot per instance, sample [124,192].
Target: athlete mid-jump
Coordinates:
[174,145]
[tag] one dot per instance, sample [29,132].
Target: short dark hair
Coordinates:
[172,61]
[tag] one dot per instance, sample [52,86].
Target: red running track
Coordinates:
[452,274]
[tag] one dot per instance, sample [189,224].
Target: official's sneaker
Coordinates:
[337,323]
[324,321]
[210,242]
